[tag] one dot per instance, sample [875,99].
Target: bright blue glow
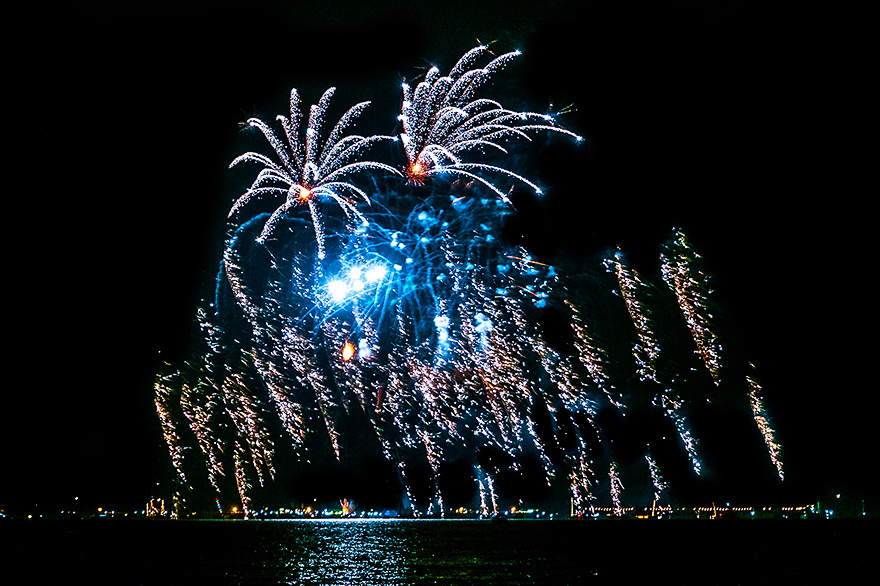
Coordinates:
[441,322]
[484,326]
[364,349]
[357,279]
[376,273]
[337,289]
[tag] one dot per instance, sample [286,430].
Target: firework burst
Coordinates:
[442,121]
[307,171]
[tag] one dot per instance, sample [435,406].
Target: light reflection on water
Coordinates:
[397,552]
[451,552]
[349,551]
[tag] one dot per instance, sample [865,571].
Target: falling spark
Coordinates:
[756,401]
[678,267]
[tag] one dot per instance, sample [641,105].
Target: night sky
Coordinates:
[737,123]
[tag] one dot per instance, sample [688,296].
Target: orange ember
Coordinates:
[347,351]
[416,173]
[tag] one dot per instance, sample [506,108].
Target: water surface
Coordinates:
[400,552]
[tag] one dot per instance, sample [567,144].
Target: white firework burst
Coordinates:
[442,120]
[307,171]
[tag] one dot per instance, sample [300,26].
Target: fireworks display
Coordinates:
[376,316]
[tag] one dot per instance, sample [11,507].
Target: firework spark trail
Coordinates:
[285,325]
[202,405]
[591,355]
[402,409]
[434,425]
[481,405]
[647,351]
[275,369]
[483,349]
[336,332]
[564,373]
[674,407]
[581,482]
[234,271]
[486,489]
[300,352]
[206,408]
[434,455]
[681,271]
[367,376]
[616,490]
[242,463]
[167,404]
[247,415]
[584,481]
[660,485]
[499,365]
[756,401]
[278,384]
[481,352]
[570,392]
[213,335]
[577,399]
[263,314]
[305,172]
[441,120]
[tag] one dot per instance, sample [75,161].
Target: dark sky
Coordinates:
[732,120]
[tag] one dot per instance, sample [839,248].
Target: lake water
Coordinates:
[460,552]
